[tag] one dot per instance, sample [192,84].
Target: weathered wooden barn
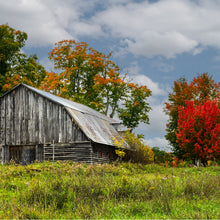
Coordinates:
[36,125]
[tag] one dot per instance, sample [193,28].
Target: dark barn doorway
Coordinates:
[22,154]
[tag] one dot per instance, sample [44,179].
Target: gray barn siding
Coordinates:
[77,152]
[100,153]
[31,119]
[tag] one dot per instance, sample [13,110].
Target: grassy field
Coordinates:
[70,190]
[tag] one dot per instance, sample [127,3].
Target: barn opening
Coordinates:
[22,154]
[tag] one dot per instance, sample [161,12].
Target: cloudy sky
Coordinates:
[155,41]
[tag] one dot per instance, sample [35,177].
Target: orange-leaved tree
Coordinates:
[78,65]
[92,78]
[198,132]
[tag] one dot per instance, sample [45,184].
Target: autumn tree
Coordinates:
[15,66]
[52,83]
[111,85]
[78,65]
[198,133]
[201,89]
[93,79]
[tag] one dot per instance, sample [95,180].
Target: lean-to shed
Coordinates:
[36,125]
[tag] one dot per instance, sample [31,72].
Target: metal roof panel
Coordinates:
[97,129]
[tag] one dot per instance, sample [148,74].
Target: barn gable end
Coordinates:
[36,125]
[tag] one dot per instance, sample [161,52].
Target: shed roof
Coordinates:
[97,126]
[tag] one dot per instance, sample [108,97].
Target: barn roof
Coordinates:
[97,126]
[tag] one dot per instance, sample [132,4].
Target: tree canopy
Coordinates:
[198,133]
[200,90]
[15,66]
[93,79]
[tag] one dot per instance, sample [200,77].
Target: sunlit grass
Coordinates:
[73,190]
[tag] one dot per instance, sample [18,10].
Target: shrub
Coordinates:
[140,153]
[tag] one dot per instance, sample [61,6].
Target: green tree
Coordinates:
[15,66]
[11,41]
[139,153]
[26,70]
[135,107]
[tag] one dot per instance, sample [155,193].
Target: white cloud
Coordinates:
[48,64]
[35,18]
[166,27]
[168,44]
[158,120]
[48,21]
[162,143]
[153,86]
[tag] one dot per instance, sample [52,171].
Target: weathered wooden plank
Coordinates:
[26,116]
[22,123]
[41,121]
[8,110]
[31,117]
[65,126]
[60,124]
[36,117]
[2,119]
[13,118]
[17,116]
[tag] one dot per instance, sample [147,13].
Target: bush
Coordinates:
[139,153]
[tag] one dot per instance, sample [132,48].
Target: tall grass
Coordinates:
[72,190]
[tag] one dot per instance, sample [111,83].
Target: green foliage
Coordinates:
[15,66]
[26,70]
[139,153]
[65,190]
[11,41]
[135,107]
[161,156]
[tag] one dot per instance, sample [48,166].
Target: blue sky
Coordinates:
[155,42]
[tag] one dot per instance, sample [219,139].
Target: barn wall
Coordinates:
[77,152]
[27,118]
[103,153]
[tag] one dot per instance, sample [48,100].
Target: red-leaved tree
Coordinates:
[198,132]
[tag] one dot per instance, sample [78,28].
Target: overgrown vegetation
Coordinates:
[121,190]
[139,153]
